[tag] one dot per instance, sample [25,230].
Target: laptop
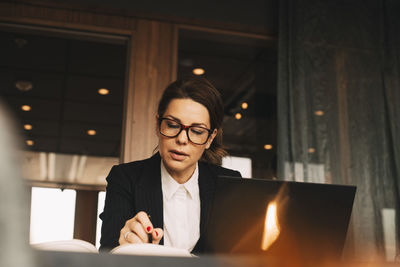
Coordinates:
[312,219]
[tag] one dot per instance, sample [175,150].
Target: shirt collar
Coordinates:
[170,186]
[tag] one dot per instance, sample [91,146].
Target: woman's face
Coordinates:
[179,155]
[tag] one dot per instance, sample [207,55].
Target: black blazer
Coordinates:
[136,186]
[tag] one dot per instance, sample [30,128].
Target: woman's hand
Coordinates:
[138,229]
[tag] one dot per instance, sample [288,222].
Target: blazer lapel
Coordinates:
[148,192]
[206,187]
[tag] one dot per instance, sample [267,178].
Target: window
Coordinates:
[66,90]
[243,165]
[52,214]
[100,208]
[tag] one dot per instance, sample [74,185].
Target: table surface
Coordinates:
[68,259]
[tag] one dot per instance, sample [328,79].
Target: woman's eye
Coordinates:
[173,125]
[197,131]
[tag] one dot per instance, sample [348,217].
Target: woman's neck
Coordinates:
[181,177]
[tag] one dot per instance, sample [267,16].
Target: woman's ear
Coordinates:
[210,140]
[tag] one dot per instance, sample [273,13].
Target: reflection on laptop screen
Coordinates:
[309,221]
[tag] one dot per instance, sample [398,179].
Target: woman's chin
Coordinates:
[175,166]
[179,169]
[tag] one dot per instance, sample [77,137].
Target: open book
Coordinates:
[76,245]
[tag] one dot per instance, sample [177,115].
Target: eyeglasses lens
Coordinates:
[197,135]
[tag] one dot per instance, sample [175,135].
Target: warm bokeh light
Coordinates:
[91,132]
[319,113]
[30,142]
[271,226]
[245,105]
[28,127]
[238,116]
[26,107]
[268,147]
[24,86]
[198,71]
[103,91]
[311,150]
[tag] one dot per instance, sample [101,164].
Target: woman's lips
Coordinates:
[177,155]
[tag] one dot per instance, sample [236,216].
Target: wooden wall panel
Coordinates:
[59,16]
[86,215]
[154,53]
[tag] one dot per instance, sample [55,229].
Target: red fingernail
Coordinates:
[156,233]
[148,228]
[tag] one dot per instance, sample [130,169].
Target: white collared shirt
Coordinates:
[181,207]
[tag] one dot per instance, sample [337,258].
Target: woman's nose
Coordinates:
[182,137]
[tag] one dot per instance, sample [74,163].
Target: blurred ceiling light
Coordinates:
[24,86]
[28,127]
[245,105]
[198,71]
[30,142]
[91,132]
[319,113]
[311,150]
[238,116]
[268,147]
[103,91]
[26,108]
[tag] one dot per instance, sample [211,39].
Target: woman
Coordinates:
[166,198]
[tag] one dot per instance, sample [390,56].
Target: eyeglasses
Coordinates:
[196,134]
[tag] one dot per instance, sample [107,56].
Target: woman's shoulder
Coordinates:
[136,167]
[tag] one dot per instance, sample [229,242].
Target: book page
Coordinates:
[150,250]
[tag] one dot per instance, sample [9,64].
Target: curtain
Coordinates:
[338,106]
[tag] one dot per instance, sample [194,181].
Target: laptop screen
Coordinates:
[310,219]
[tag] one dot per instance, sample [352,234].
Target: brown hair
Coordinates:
[201,91]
